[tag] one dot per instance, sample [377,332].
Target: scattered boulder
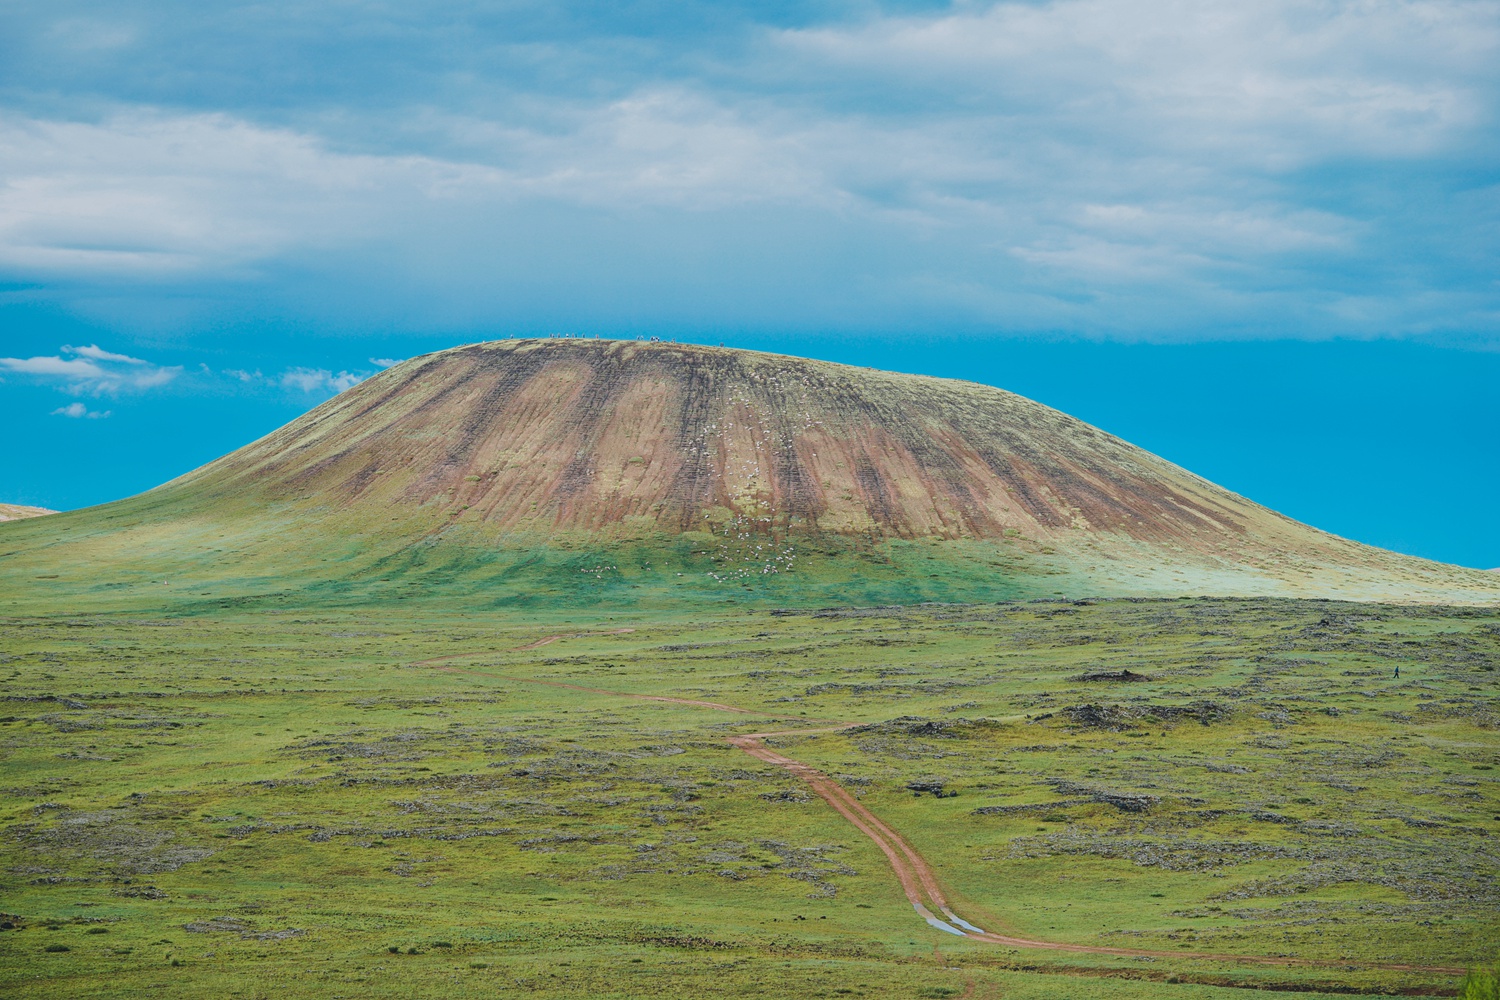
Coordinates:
[933,785]
[235,925]
[1117,718]
[216,925]
[1135,802]
[1125,675]
[1028,808]
[1127,801]
[917,726]
[1111,717]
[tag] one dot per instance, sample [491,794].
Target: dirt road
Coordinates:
[917,879]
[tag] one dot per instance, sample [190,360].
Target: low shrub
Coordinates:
[1481,984]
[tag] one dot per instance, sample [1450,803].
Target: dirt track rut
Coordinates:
[918,881]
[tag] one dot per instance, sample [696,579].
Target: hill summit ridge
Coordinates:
[565,434]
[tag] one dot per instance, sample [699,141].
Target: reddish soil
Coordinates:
[604,436]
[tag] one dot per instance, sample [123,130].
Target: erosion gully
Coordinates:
[918,882]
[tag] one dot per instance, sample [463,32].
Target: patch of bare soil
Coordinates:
[16,511]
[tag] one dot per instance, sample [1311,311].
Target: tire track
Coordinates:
[569,635]
[918,881]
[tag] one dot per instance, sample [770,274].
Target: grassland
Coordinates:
[271,803]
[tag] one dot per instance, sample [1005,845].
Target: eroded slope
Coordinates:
[564,469]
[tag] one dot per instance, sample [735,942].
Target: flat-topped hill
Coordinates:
[582,470]
[612,436]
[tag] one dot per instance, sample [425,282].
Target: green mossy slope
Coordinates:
[266,804]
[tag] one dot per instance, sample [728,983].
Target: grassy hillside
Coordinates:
[388,803]
[566,668]
[256,557]
[577,473]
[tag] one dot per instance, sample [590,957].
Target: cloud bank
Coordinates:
[1177,169]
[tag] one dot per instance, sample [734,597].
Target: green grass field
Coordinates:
[220,803]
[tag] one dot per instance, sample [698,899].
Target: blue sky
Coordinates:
[1260,239]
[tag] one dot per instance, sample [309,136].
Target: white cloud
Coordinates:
[79,410]
[91,35]
[68,367]
[386,362]
[148,195]
[319,380]
[94,370]
[97,353]
[1027,152]
[1275,82]
[300,378]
